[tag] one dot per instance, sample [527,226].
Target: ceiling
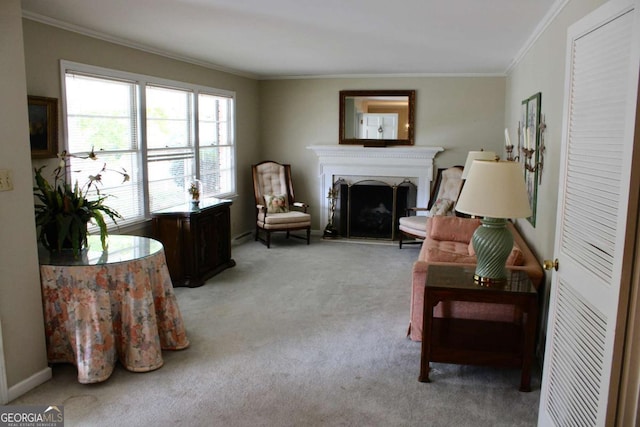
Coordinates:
[286,38]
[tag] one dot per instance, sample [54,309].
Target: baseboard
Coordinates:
[241,238]
[30,383]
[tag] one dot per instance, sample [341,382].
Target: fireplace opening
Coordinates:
[370,209]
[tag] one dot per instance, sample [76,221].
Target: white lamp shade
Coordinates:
[476,155]
[495,189]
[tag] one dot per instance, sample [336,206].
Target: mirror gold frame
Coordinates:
[401,102]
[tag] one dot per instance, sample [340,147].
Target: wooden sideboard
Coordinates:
[197,241]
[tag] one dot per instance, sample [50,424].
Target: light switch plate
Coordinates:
[6,180]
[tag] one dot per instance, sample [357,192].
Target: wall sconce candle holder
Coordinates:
[531,147]
[510,158]
[509,146]
[534,163]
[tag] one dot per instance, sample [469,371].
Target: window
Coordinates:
[170,145]
[161,132]
[102,113]
[217,166]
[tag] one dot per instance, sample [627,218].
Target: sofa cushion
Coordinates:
[438,255]
[453,228]
[414,225]
[289,217]
[516,257]
[445,251]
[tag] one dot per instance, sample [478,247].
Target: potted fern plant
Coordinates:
[64,211]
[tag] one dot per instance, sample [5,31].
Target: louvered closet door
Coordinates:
[590,288]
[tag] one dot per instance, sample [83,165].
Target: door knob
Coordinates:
[548,264]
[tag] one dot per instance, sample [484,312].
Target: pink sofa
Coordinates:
[447,242]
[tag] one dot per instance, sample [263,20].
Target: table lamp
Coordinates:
[476,155]
[494,190]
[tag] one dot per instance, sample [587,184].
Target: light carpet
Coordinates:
[298,335]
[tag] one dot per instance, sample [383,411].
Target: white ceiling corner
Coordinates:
[295,38]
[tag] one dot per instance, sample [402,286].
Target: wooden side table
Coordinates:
[197,240]
[479,342]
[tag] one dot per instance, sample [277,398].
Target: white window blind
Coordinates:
[170,145]
[102,114]
[216,144]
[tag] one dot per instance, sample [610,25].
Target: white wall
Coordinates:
[20,300]
[542,69]
[456,113]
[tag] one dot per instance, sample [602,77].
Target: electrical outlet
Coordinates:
[6,180]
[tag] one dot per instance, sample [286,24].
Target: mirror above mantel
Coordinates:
[377,118]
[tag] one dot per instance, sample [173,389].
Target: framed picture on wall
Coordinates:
[530,140]
[43,126]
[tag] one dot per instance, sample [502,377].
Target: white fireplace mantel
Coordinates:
[393,164]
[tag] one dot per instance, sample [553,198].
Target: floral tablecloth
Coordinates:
[96,315]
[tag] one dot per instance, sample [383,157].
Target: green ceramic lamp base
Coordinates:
[492,242]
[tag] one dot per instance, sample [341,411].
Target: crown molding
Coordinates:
[378,76]
[130,44]
[548,18]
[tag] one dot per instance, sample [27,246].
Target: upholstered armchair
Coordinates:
[276,207]
[441,202]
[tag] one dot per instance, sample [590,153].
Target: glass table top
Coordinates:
[188,207]
[121,248]
[461,277]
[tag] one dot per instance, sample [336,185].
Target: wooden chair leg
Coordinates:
[268,239]
[400,243]
[308,235]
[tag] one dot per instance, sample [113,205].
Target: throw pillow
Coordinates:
[276,203]
[516,257]
[442,207]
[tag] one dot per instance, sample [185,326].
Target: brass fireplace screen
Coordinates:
[369,209]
